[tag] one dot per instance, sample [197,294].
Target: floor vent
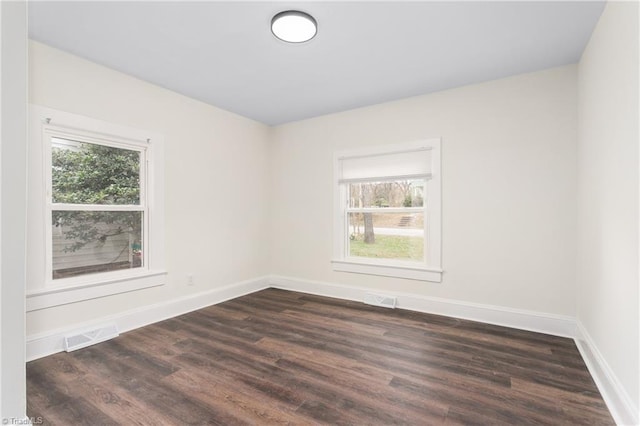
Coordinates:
[380,300]
[82,339]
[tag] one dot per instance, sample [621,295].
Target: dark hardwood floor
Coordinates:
[277,357]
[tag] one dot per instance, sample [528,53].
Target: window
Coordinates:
[98,194]
[97,204]
[388,211]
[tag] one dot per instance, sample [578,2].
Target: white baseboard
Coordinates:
[48,343]
[617,399]
[557,325]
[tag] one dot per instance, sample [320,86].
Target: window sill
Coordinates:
[93,287]
[388,270]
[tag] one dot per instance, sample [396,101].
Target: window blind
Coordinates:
[382,167]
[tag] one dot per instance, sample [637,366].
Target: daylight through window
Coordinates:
[386,219]
[97,205]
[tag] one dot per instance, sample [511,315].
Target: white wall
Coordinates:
[215,180]
[509,189]
[13,152]
[608,188]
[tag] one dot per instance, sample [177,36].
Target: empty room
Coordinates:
[362,213]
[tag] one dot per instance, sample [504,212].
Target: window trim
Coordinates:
[430,269]
[42,290]
[50,131]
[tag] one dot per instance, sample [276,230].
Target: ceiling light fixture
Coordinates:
[294,26]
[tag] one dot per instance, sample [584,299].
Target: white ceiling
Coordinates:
[223,53]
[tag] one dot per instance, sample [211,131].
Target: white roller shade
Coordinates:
[391,166]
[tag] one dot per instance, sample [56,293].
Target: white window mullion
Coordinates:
[97,207]
[383,210]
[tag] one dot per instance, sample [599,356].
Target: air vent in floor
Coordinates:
[380,300]
[82,339]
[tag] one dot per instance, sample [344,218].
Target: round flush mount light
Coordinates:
[294,26]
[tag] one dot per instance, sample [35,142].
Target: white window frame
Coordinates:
[428,270]
[42,290]
[51,131]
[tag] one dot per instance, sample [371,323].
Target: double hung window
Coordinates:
[388,211]
[96,204]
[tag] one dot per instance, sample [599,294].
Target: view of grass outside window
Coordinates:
[97,215]
[386,220]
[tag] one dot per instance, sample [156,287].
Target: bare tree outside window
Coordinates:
[386,219]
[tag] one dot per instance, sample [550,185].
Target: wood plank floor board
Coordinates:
[368,353]
[568,379]
[280,357]
[150,388]
[374,395]
[44,390]
[325,323]
[585,409]
[229,396]
[238,327]
[501,404]
[275,394]
[351,367]
[121,404]
[353,344]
